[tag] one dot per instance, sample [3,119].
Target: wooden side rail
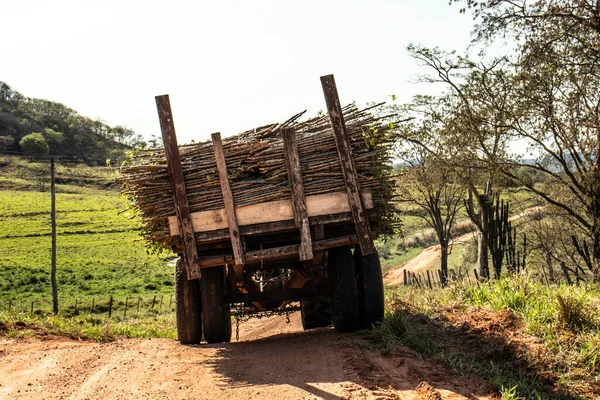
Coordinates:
[272,211]
[318,223]
[276,253]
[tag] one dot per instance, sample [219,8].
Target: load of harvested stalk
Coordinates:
[257,171]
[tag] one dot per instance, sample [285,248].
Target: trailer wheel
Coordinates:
[370,287]
[216,316]
[188,306]
[345,301]
[315,312]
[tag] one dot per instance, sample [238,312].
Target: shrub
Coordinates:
[574,313]
[34,143]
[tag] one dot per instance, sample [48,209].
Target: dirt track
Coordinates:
[272,360]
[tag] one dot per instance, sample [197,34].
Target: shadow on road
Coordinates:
[330,365]
[306,360]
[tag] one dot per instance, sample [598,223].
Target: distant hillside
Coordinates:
[53,128]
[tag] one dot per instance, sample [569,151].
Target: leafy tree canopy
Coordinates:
[34,143]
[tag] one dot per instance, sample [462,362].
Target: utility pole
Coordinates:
[53,222]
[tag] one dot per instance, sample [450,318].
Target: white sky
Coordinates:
[227,65]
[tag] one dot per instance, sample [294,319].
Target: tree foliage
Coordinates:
[532,112]
[66,132]
[34,143]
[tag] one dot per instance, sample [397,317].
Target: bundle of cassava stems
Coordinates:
[257,170]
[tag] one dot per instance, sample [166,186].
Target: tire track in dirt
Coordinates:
[272,359]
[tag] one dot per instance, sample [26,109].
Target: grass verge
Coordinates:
[87,327]
[528,340]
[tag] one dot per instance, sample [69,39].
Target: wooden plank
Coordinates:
[277,253]
[334,108]
[234,231]
[272,211]
[317,223]
[290,148]
[182,209]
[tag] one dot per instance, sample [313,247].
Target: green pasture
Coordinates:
[99,250]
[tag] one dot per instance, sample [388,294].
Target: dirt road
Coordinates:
[424,260]
[272,360]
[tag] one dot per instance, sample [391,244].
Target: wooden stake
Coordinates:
[110,304]
[429,280]
[53,223]
[182,208]
[290,148]
[234,231]
[334,108]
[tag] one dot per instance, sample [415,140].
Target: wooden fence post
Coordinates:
[53,234]
[76,304]
[110,304]
[476,274]
[405,280]
[153,301]
[429,280]
[92,307]
[32,306]
[126,304]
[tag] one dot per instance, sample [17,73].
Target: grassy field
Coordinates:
[99,251]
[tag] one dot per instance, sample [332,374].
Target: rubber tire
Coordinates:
[188,307]
[370,288]
[216,315]
[315,312]
[345,306]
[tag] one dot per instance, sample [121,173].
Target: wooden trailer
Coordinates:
[265,258]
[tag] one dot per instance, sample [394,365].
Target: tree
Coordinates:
[436,191]
[473,112]
[53,138]
[34,143]
[555,108]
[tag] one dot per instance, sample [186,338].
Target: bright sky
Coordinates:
[227,65]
